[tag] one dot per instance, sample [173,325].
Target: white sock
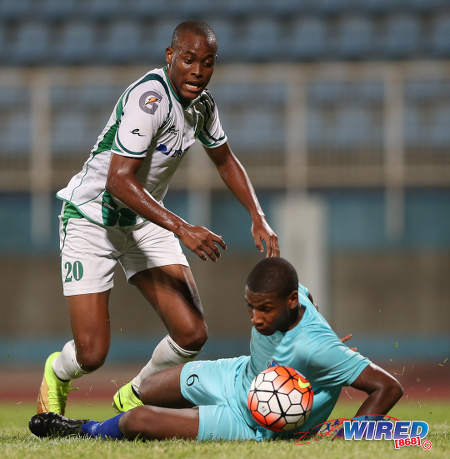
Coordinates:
[65,365]
[166,354]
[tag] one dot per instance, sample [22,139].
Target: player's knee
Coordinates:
[192,338]
[91,357]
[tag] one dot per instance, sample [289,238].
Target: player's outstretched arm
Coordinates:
[382,388]
[237,180]
[123,184]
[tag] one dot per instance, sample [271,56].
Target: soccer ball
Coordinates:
[280,399]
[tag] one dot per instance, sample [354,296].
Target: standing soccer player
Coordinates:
[113,212]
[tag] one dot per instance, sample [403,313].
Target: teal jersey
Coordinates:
[313,349]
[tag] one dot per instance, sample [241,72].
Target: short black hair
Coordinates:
[273,274]
[196,27]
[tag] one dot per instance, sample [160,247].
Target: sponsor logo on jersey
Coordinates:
[136,132]
[149,101]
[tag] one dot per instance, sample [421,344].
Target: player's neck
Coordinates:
[296,316]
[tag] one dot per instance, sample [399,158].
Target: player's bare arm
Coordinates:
[382,388]
[237,180]
[123,184]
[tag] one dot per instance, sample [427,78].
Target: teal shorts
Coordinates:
[210,385]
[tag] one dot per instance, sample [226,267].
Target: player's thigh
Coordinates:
[209,382]
[220,422]
[150,246]
[89,255]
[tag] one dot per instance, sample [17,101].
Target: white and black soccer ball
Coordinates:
[280,398]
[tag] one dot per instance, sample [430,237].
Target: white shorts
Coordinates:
[90,252]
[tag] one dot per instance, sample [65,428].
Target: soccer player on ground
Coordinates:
[113,212]
[207,400]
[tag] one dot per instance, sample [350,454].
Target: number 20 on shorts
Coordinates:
[73,271]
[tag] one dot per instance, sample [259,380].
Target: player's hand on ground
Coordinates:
[202,241]
[262,232]
[345,338]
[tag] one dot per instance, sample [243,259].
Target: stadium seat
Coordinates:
[354,128]
[161,36]
[14,96]
[16,137]
[103,9]
[145,9]
[15,9]
[259,95]
[241,7]
[439,129]
[354,38]
[440,35]
[195,9]
[32,44]
[77,43]
[336,6]
[262,40]
[308,39]
[69,133]
[285,8]
[318,132]
[426,90]
[121,42]
[56,9]
[413,127]
[401,37]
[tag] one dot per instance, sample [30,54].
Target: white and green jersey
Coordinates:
[148,122]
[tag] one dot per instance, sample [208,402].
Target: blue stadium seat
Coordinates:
[16,137]
[318,130]
[427,90]
[259,95]
[195,9]
[241,7]
[14,96]
[77,43]
[285,8]
[336,6]
[15,9]
[440,128]
[255,130]
[145,9]
[103,9]
[308,39]
[440,35]
[262,40]
[69,133]
[427,5]
[385,6]
[354,38]
[56,9]
[354,128]
[414,128]
[32,44]
[401,37]
[121,42]
[161,36]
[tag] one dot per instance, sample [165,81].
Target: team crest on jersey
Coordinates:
[149,101]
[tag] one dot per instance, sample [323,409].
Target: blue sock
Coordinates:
[105,429]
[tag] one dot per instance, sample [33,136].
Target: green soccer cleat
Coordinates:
[53,393]
[125,399]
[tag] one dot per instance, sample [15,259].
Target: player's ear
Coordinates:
[169,55]
[293,299]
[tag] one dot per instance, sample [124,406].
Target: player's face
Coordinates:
[191,64]
[269,313]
